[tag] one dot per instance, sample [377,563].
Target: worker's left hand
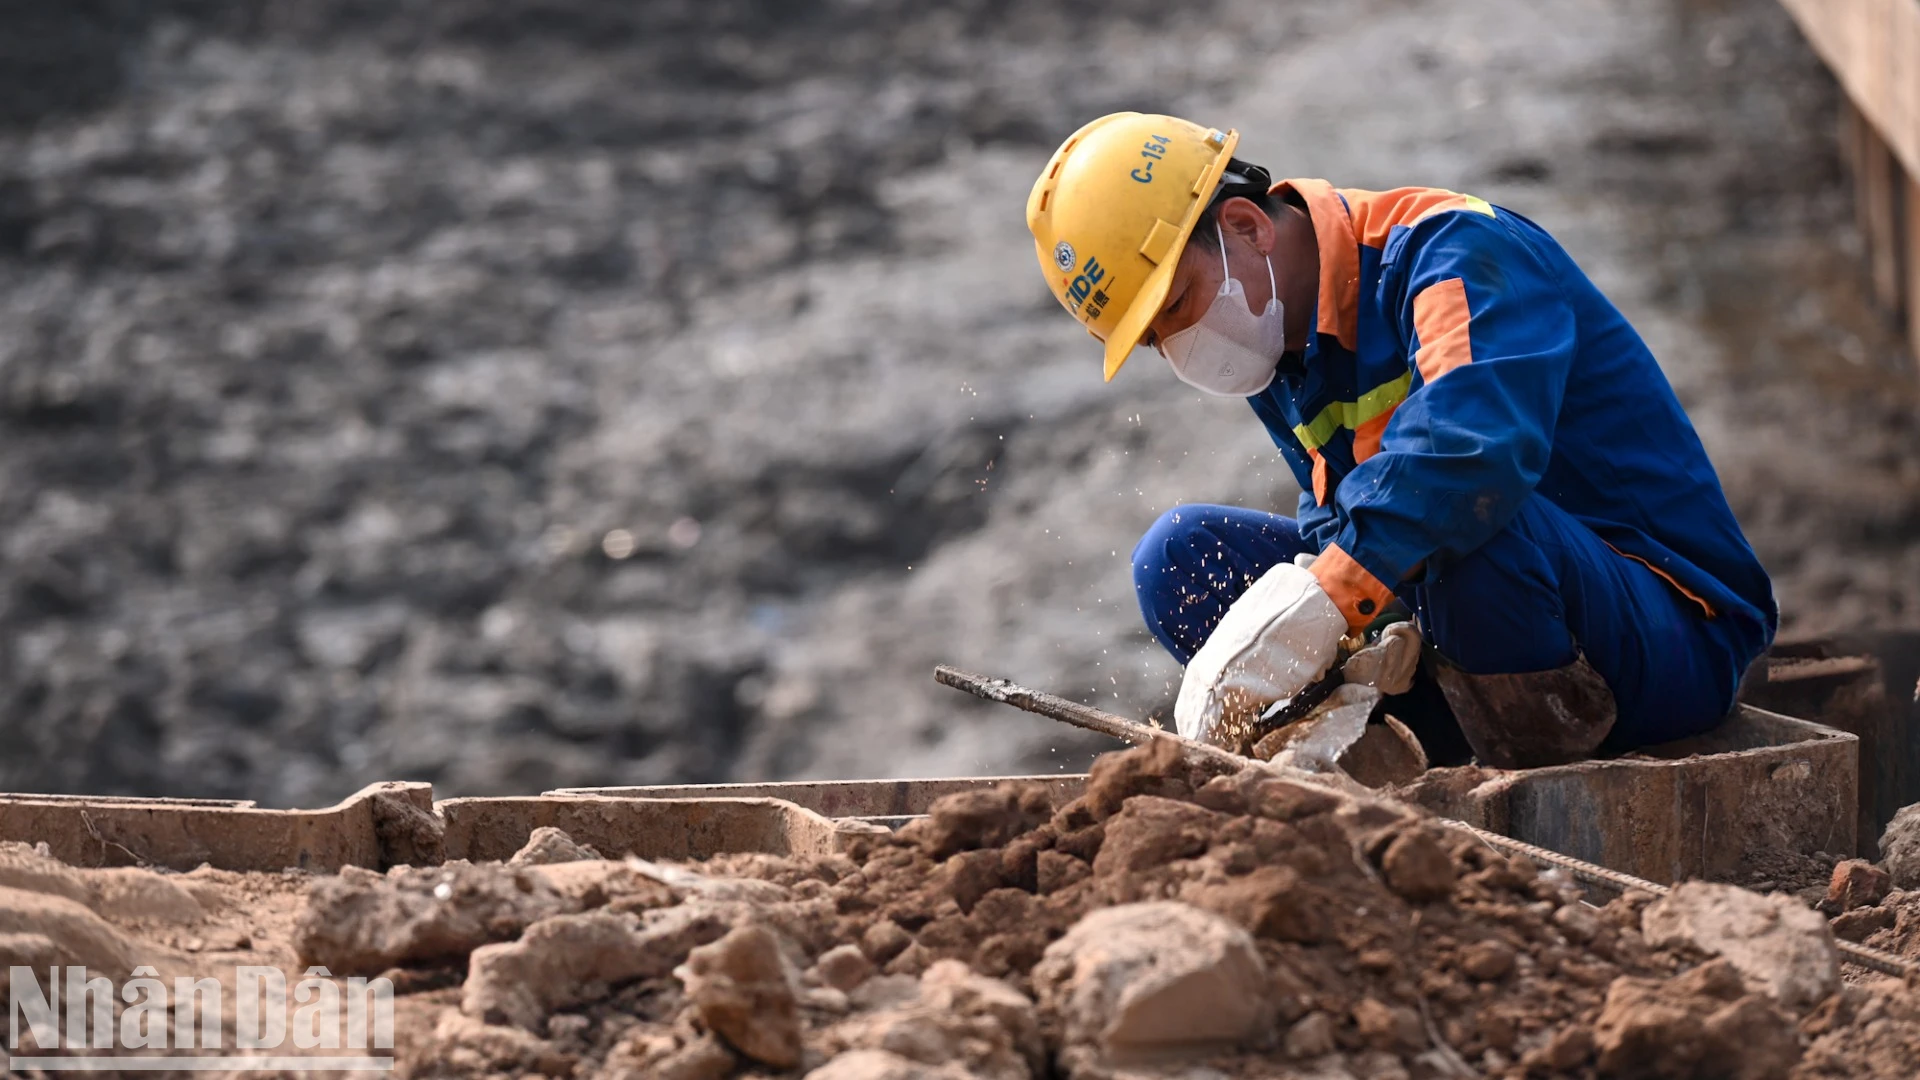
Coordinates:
[1280,637]
[1388,664]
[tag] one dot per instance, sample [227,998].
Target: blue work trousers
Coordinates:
[1531,599]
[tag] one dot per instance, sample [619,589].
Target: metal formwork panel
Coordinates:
[1684,810]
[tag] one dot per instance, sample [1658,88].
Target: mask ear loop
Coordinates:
[1273,286]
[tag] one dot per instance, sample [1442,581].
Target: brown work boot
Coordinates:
[1531,719]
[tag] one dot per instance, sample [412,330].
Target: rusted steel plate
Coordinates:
[183,833]
[1686,810]
[483,828]
[1692,809]
[1862,683]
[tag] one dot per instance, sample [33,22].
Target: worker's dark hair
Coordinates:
[1246,180]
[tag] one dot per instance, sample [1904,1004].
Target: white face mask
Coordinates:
[1231,351]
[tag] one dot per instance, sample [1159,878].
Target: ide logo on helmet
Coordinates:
[1082,287]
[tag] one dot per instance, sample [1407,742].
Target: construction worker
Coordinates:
[1481,440]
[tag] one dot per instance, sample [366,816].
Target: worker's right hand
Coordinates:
[1281,636]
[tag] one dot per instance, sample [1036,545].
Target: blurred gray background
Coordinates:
[522,393]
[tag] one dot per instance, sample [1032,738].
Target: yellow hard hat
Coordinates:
[1111,215]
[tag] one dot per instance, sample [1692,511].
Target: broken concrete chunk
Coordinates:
[1779,947]
[1417,865]
[912,960]
[593,883]
[1138,979]
[745,992]
[679,1052]
[363,924]
[488,1049]
[1389,1027]
[687,882]
[884,1065]
[1900,848]
[1150,831]
[1701,1023]
[914,1033]
[885,940]
[1565,1051]
[952,1017]
[886,992]
[1579,921]
[1857,883]
[842,967]
[971,875]
[1860,923]
[1487,960]
[570,959]
[952,988]
[988,818]
[702,1059]
[825,999]
[1311,1036]
[1056,870]
[548,845]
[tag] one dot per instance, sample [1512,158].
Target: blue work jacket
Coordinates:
[1458,362]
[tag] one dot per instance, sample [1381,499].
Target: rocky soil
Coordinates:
[514,394]
[1164,924]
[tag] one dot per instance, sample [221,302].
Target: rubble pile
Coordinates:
[1878,904]
[1166,923]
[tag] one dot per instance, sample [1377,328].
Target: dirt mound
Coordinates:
[1165,916]
[1286,921]
[1164,919]
[361,923]
[1701,1023]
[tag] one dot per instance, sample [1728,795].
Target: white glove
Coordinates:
[1387,665]
[1304,560]
[1280,637]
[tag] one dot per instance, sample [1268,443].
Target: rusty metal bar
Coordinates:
[1085,716]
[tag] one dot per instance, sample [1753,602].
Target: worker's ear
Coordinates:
[1244,218]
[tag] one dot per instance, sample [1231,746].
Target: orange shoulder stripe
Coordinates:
[1440,320]
[1377,213]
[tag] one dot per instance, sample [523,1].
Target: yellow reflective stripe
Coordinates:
[1470,203]
[1376,402]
